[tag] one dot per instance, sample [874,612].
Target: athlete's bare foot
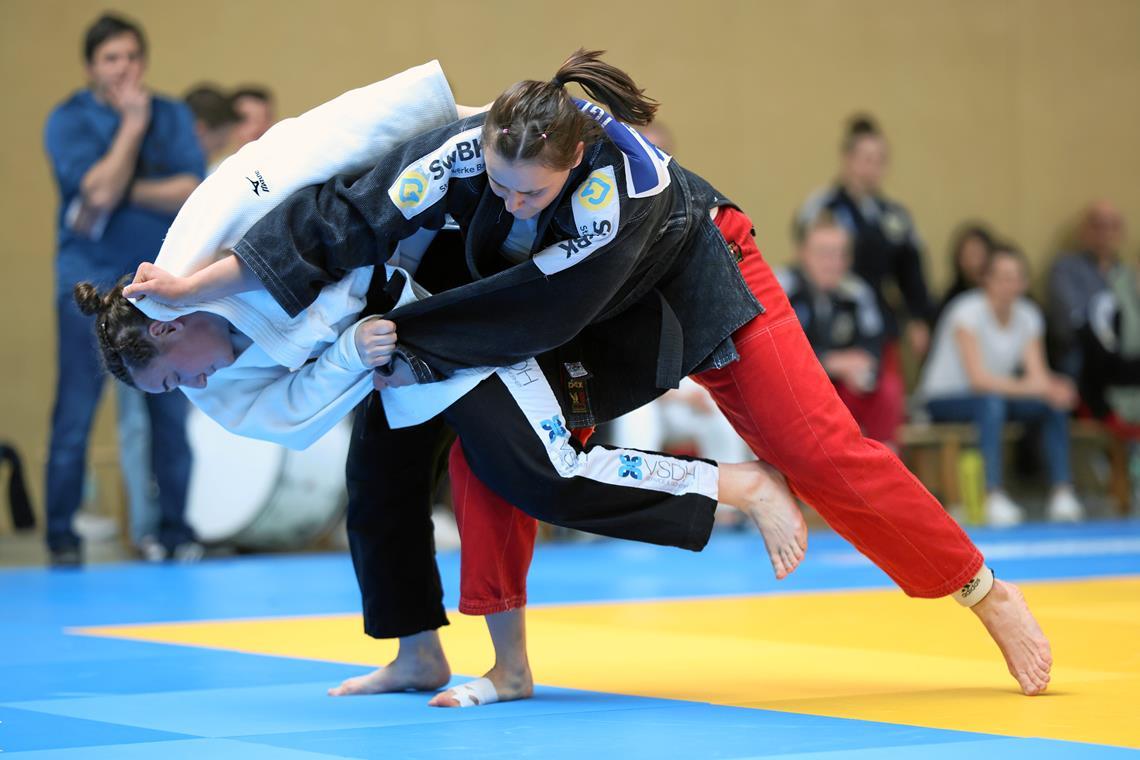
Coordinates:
[510,684]
[775,512]
[423,669]
[1026,650]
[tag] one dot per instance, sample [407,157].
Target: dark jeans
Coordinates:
[79,382]
[989,413]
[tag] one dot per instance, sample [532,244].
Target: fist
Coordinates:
[154,282]
[376,342]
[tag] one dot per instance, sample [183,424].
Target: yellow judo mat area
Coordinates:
[869,655]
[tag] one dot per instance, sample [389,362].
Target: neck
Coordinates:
[1001,307]
[854,189]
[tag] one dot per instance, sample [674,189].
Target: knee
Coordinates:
[991,408]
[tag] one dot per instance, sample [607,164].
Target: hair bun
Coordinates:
[88,298]
[862,124]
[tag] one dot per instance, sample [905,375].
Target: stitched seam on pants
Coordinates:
[492,608]
[839,472]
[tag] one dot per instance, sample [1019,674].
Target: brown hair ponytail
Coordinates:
[120,329]
[539,121]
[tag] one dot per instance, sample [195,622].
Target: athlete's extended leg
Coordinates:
[515,441]
[781,402]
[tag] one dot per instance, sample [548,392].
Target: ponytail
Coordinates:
[539,121]
[608,85]
[121,330]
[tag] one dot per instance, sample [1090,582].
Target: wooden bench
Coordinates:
[948,440]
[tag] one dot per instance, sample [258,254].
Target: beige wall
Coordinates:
[1015,111]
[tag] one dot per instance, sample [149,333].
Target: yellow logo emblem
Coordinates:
[597,191]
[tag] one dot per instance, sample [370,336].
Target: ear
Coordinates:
[579,153]
[165,330]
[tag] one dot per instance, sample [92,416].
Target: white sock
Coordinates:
[976,588]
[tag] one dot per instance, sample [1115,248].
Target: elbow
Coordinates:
[99,199]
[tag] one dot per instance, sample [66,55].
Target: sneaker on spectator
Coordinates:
[152,550]
[1065,507]
[1001,511]
[189,552]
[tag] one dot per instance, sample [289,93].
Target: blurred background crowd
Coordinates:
[1012,391]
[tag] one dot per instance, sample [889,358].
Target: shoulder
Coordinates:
[1029,314]
[1071,262]
[817,201]
[429,162]
[965,306]
[855,288]
[790,280]
[71,108]
[166,108]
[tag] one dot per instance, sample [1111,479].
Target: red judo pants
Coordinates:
[782,403]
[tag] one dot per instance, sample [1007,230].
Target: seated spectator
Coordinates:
[214,122]
[987,366]
[1079,275]
[1110,346]
[968,253]
[257,111]
[841,317]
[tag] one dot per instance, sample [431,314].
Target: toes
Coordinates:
[446,699]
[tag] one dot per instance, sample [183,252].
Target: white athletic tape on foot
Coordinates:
[476,693]
[976,589]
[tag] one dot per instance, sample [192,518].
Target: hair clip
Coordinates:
[543,135]
[506,130]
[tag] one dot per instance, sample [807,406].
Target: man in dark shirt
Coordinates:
[1077,277]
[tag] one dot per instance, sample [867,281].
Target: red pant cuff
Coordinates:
[493,606]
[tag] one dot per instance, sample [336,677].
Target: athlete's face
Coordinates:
[526,187]
[190,349]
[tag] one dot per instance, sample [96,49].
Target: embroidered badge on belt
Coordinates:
[576,377]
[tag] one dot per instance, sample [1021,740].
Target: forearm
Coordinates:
[106,182]
[1010,387]
[226,277]
[163,195]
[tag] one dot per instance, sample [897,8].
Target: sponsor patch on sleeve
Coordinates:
[424,182]
[597,212]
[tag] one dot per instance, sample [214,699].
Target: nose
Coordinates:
[515,202]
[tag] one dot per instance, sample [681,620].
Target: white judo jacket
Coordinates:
[303,374]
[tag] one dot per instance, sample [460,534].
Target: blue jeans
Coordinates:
[989,413]
[79,381]
[134,462]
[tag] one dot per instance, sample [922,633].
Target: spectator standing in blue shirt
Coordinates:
[124,161]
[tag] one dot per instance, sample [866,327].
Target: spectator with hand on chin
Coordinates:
[124,161]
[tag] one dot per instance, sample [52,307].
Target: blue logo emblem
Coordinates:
[555,427]
[630,467]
